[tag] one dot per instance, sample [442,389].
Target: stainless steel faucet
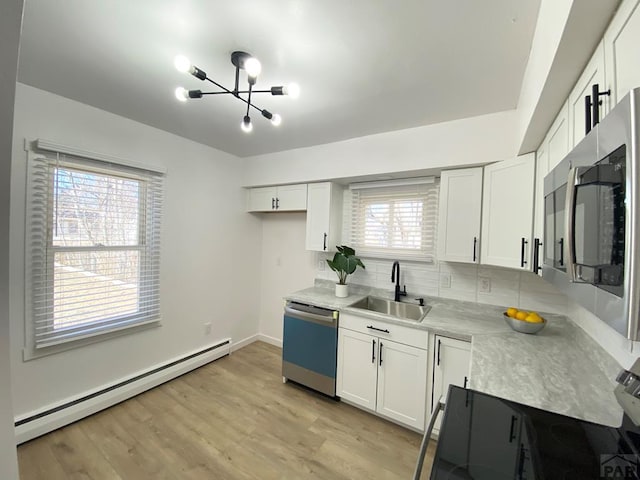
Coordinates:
[395,277]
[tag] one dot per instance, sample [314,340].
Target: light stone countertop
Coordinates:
[560,369]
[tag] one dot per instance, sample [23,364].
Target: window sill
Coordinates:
[31,353]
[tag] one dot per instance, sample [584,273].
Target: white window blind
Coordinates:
[395,220]
[93,239]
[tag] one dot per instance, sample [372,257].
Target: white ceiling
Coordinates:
[364,66]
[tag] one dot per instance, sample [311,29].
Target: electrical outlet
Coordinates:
[445,280]
[484,284]
[207,328]
[321,265]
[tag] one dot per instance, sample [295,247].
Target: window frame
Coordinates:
[149,213]
[355,212]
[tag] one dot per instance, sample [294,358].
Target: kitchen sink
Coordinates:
[406,311]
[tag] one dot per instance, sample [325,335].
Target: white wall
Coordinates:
[10,24]
[210,250]
[624,351]
[286,267]
[470,141]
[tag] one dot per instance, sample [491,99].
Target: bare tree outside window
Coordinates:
[95,241]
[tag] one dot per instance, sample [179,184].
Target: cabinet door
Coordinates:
[558,145]
[621,42]
[593,73]
[542,168]
[507,218]
[451,363]
[459,215]
[357,368]
[402,383]
[318,216]
[291,198]
[324,216]
[261,199]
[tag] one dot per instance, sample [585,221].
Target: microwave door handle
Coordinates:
[569,226]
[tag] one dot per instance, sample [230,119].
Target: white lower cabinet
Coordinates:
[357,368]
[381,375]
[402,383]
[451,362]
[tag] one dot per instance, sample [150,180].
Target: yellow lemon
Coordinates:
[521,315]
[511,312]
[533,319]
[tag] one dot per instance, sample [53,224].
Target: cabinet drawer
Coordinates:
[382,329]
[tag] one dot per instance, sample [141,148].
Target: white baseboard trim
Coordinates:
[243,343]
[271,340]
[258,337]
[45,420]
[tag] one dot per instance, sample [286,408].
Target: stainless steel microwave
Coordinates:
[592,220]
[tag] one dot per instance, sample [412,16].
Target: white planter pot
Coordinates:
[342,291]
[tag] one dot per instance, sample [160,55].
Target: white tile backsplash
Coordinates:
[507,287]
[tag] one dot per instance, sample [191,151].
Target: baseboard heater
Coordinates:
[44,421]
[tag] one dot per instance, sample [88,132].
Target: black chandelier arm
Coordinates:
[220,86]
[234,93]
[249,99]
[201,94]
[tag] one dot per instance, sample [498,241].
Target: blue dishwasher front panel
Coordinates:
[309,353]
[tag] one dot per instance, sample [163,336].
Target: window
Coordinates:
[395,219]
[94,248]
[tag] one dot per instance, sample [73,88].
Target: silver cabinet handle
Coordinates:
[569,219]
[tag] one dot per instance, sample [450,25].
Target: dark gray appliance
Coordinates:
[483,437]
[592,220]
[310,346]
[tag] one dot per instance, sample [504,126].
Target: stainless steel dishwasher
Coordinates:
[310,346]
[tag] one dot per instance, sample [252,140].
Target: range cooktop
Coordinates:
[485,437]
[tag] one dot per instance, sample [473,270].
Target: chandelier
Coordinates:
[242,61]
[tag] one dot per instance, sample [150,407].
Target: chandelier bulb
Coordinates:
[182,94]
[293,90]
[253,67]
[276,120]
[246,124]
[182,64]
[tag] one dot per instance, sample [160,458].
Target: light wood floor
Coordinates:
[231,419]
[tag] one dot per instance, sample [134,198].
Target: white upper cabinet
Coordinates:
[324,216]
[621,47]
[459,215]
[284,198]
[542,168]
[261,199]
[551,151]
[558,142]
[507,219]
[291,198]
[592,74]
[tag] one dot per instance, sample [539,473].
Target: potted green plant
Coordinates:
[344,263]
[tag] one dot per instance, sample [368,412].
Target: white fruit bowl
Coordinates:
[522,326]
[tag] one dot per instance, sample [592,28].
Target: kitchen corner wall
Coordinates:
[286,266]
[472,283]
